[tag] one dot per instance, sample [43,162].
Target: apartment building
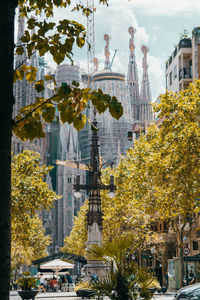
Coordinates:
[183,66]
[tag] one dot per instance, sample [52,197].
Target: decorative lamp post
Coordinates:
[153,252]
[95,186]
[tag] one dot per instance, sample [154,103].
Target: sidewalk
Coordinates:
[48,296]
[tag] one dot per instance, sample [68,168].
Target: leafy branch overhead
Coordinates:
[43,37]
[70,102]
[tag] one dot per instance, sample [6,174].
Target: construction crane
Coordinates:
[115,51]
[72,164]
[90,35]
[90,38]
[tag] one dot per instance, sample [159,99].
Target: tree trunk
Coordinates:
[7,14]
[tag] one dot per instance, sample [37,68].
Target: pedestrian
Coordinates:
[42,283]
[166,279]
[69,278]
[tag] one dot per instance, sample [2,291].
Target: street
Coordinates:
[72,296]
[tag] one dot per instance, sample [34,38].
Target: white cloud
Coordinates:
[115,21]
[161,7]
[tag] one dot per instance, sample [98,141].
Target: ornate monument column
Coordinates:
[94,214]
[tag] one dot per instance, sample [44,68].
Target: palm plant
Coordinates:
[124,280]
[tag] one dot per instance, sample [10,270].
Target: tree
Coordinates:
[31,120]
[30,194]
[171,179]
[75,242]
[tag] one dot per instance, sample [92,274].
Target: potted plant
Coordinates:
[27,285]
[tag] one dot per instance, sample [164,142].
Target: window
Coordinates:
[175,71]
[69,180]
[198,234]
[195,245]
[170,78]
[166,82]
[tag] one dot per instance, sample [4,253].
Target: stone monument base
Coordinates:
[97,267]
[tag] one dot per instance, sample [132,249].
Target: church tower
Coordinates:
[132,78]
[145,110]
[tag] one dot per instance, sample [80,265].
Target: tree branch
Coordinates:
[24,61]
[31,112]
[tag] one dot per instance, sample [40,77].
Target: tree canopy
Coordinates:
[159,177]
[30,195]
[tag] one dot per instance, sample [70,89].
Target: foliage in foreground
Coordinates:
[26,282]
[125,280]
[44,36]
[30,195]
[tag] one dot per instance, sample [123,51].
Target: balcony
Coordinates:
[185,73]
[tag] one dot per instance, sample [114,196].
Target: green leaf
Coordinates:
[79,122]
[26,37]
[80,42]
[115,108]
[57,2]
[20,50]
[49,114]
[66,88]
[67,115]
[75,83]
[39,85]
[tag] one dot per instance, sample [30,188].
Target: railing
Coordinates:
[185,73]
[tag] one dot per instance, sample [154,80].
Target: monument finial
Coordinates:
[107,52]
[145,50]
[132,32]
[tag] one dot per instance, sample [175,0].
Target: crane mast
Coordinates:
[90,36]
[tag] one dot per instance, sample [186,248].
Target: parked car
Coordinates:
[190,292]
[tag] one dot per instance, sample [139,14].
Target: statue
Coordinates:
[107,52]
[96,64]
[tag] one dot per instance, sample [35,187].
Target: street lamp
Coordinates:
[153,251]
[95,185]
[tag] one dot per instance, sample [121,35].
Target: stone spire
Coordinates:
[71,153]
[107,52]
[145,93]
[132,77]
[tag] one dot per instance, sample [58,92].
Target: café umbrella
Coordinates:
[56,265]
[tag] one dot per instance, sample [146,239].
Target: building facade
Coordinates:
[183,66]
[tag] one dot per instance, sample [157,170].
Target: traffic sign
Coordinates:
[186,251]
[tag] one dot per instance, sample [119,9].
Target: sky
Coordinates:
[158,25]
